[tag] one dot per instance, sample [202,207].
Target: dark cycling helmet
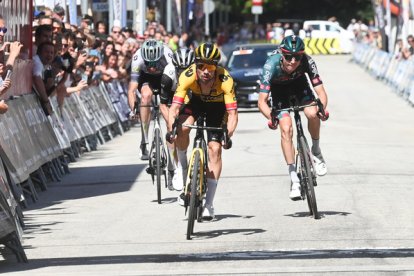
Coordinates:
[292,44]
[152,50]
[182,58]
[208,53]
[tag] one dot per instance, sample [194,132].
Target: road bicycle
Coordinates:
[158,154]
[304,159]
[195,187]
[305,166]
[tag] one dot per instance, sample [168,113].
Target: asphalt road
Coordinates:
[103,218]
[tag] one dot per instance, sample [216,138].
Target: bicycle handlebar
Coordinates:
[294,108]
[226,139]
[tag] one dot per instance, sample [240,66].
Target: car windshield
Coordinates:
[251,58]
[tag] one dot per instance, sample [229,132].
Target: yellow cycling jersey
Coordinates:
[222,90]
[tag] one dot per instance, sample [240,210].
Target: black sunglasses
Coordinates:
[4,30]
[151,64]
[290,57]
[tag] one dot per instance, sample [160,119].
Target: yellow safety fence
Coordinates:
[322,46]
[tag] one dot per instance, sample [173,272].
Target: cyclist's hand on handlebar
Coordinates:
[133,116]
[272,124]
[227,145]
[325,116]
[170,137]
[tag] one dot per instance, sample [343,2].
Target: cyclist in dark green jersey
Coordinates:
[284,79]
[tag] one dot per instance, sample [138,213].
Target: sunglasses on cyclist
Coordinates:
[203,66]
[151,64]
[4,30]
[290,57]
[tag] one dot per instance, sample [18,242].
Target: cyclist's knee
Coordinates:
[184,131]
[311,113]
[286,132]
[146,93]
[214,148]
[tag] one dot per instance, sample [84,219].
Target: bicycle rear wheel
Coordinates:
[307,177]
[158,163]
[195,179]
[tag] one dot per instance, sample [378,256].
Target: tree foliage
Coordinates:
[343,10]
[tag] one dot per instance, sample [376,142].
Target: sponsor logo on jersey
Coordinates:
[223,77]
[266,76]
[189,73]
[267,66]
[211,98]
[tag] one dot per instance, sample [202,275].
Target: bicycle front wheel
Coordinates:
[307,177]
[158,170]
[195,179]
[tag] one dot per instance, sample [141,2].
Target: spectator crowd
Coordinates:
[370,34]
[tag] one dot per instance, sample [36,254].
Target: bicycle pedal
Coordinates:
[149,170]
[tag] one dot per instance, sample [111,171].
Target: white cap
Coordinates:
[117,23]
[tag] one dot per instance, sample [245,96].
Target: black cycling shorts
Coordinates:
[154,81]
[296,92]
[216,115]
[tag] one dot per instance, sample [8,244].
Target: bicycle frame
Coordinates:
[195,186]
[158,155]
[305,166]
[199,145]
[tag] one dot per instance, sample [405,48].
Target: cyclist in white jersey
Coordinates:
[148,66]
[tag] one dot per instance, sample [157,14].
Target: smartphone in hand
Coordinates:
[8,75]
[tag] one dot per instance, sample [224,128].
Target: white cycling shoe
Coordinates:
[208,212]
[295,193]
[320,165]
[177,180]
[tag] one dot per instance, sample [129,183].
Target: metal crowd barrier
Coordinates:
[397,73]
[35,149]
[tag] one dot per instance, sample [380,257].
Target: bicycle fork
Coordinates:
[152,154]
[299,159]
[189,177]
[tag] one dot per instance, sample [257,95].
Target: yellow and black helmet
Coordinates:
[208,53]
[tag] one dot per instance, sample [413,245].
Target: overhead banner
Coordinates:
[120,11]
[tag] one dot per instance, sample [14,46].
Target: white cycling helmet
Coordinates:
[182,58]
[152,50]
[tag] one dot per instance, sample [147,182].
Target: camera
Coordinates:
[47,74]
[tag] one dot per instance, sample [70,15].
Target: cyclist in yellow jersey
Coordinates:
[212,93]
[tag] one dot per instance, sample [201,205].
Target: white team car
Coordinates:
[329,29]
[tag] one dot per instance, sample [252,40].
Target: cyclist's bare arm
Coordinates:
[133,86]
[263,106]
[164,111]
[320,90]
[232,121]
[172,114]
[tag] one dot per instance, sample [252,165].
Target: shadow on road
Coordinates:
[89,182]
[5,266]
[224,216]
[221,232]
[322,214]
[167,200]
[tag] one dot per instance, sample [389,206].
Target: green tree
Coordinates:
[343,10]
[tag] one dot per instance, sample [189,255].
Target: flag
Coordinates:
[73,12]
